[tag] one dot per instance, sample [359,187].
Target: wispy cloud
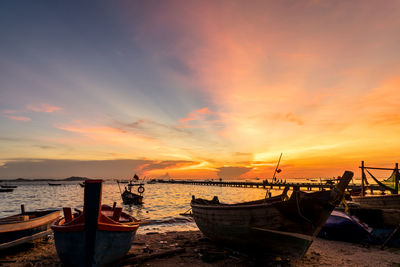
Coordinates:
[19,118]
[43,107]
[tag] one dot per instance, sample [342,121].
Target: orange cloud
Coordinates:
[43,107]
[18,118]
[204,115]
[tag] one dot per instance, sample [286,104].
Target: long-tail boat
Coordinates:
[129,197]
[391,184]
[26,227]
[98,236]
[276,226]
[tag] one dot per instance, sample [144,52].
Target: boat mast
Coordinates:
[277,167]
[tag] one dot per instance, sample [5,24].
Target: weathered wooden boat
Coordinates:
[26,227]
[276,226]
[9,186]
[391,184]
[378,201]
[98,236]
[5,190]
[53,184]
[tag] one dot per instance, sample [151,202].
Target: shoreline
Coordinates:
[191,247]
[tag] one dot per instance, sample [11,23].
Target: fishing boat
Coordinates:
[275,226]
[6,190]
[385,223]
[98,236]
[9,186]
[129,197]
[26,227]
[344,227]
[391,184]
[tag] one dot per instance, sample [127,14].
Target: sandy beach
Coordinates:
[191,248]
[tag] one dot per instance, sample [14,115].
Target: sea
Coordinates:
[163,203]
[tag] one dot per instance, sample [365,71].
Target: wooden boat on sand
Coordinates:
[98,236]
[6,190]
[9,186]
[391,184]
[26,227]
[276,226]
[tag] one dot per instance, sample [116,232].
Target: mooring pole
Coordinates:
[362,179]
[396,188]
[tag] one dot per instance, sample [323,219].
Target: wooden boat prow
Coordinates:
[97,236]
[26,227]
[274,226]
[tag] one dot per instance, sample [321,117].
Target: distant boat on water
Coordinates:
[129,197]
[276,226]
[26,227]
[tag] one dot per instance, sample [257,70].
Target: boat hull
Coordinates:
[17,231]
[382,202]
[269,227]
[71,247]
[129,198]
[343,227]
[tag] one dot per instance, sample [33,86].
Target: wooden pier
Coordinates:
[269,185]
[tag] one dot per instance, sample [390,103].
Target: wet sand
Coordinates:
[191,248]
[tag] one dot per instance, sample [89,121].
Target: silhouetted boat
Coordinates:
[385,224]
[26,227]
[52,184]
[129,197]
[9,186]
[391,184]
[344,227]
[99,236]
[5,190]
[271,226]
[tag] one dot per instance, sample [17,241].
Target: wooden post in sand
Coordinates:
[362,179]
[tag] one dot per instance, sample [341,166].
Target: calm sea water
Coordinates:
[162,205]
[162,202]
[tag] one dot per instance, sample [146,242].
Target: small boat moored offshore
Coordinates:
[129,197]
[98,236]
[26,227]
[276,226]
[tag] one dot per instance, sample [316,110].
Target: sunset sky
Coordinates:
[198,89]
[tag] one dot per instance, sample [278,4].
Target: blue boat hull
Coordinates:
[343,227]
[109,247]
